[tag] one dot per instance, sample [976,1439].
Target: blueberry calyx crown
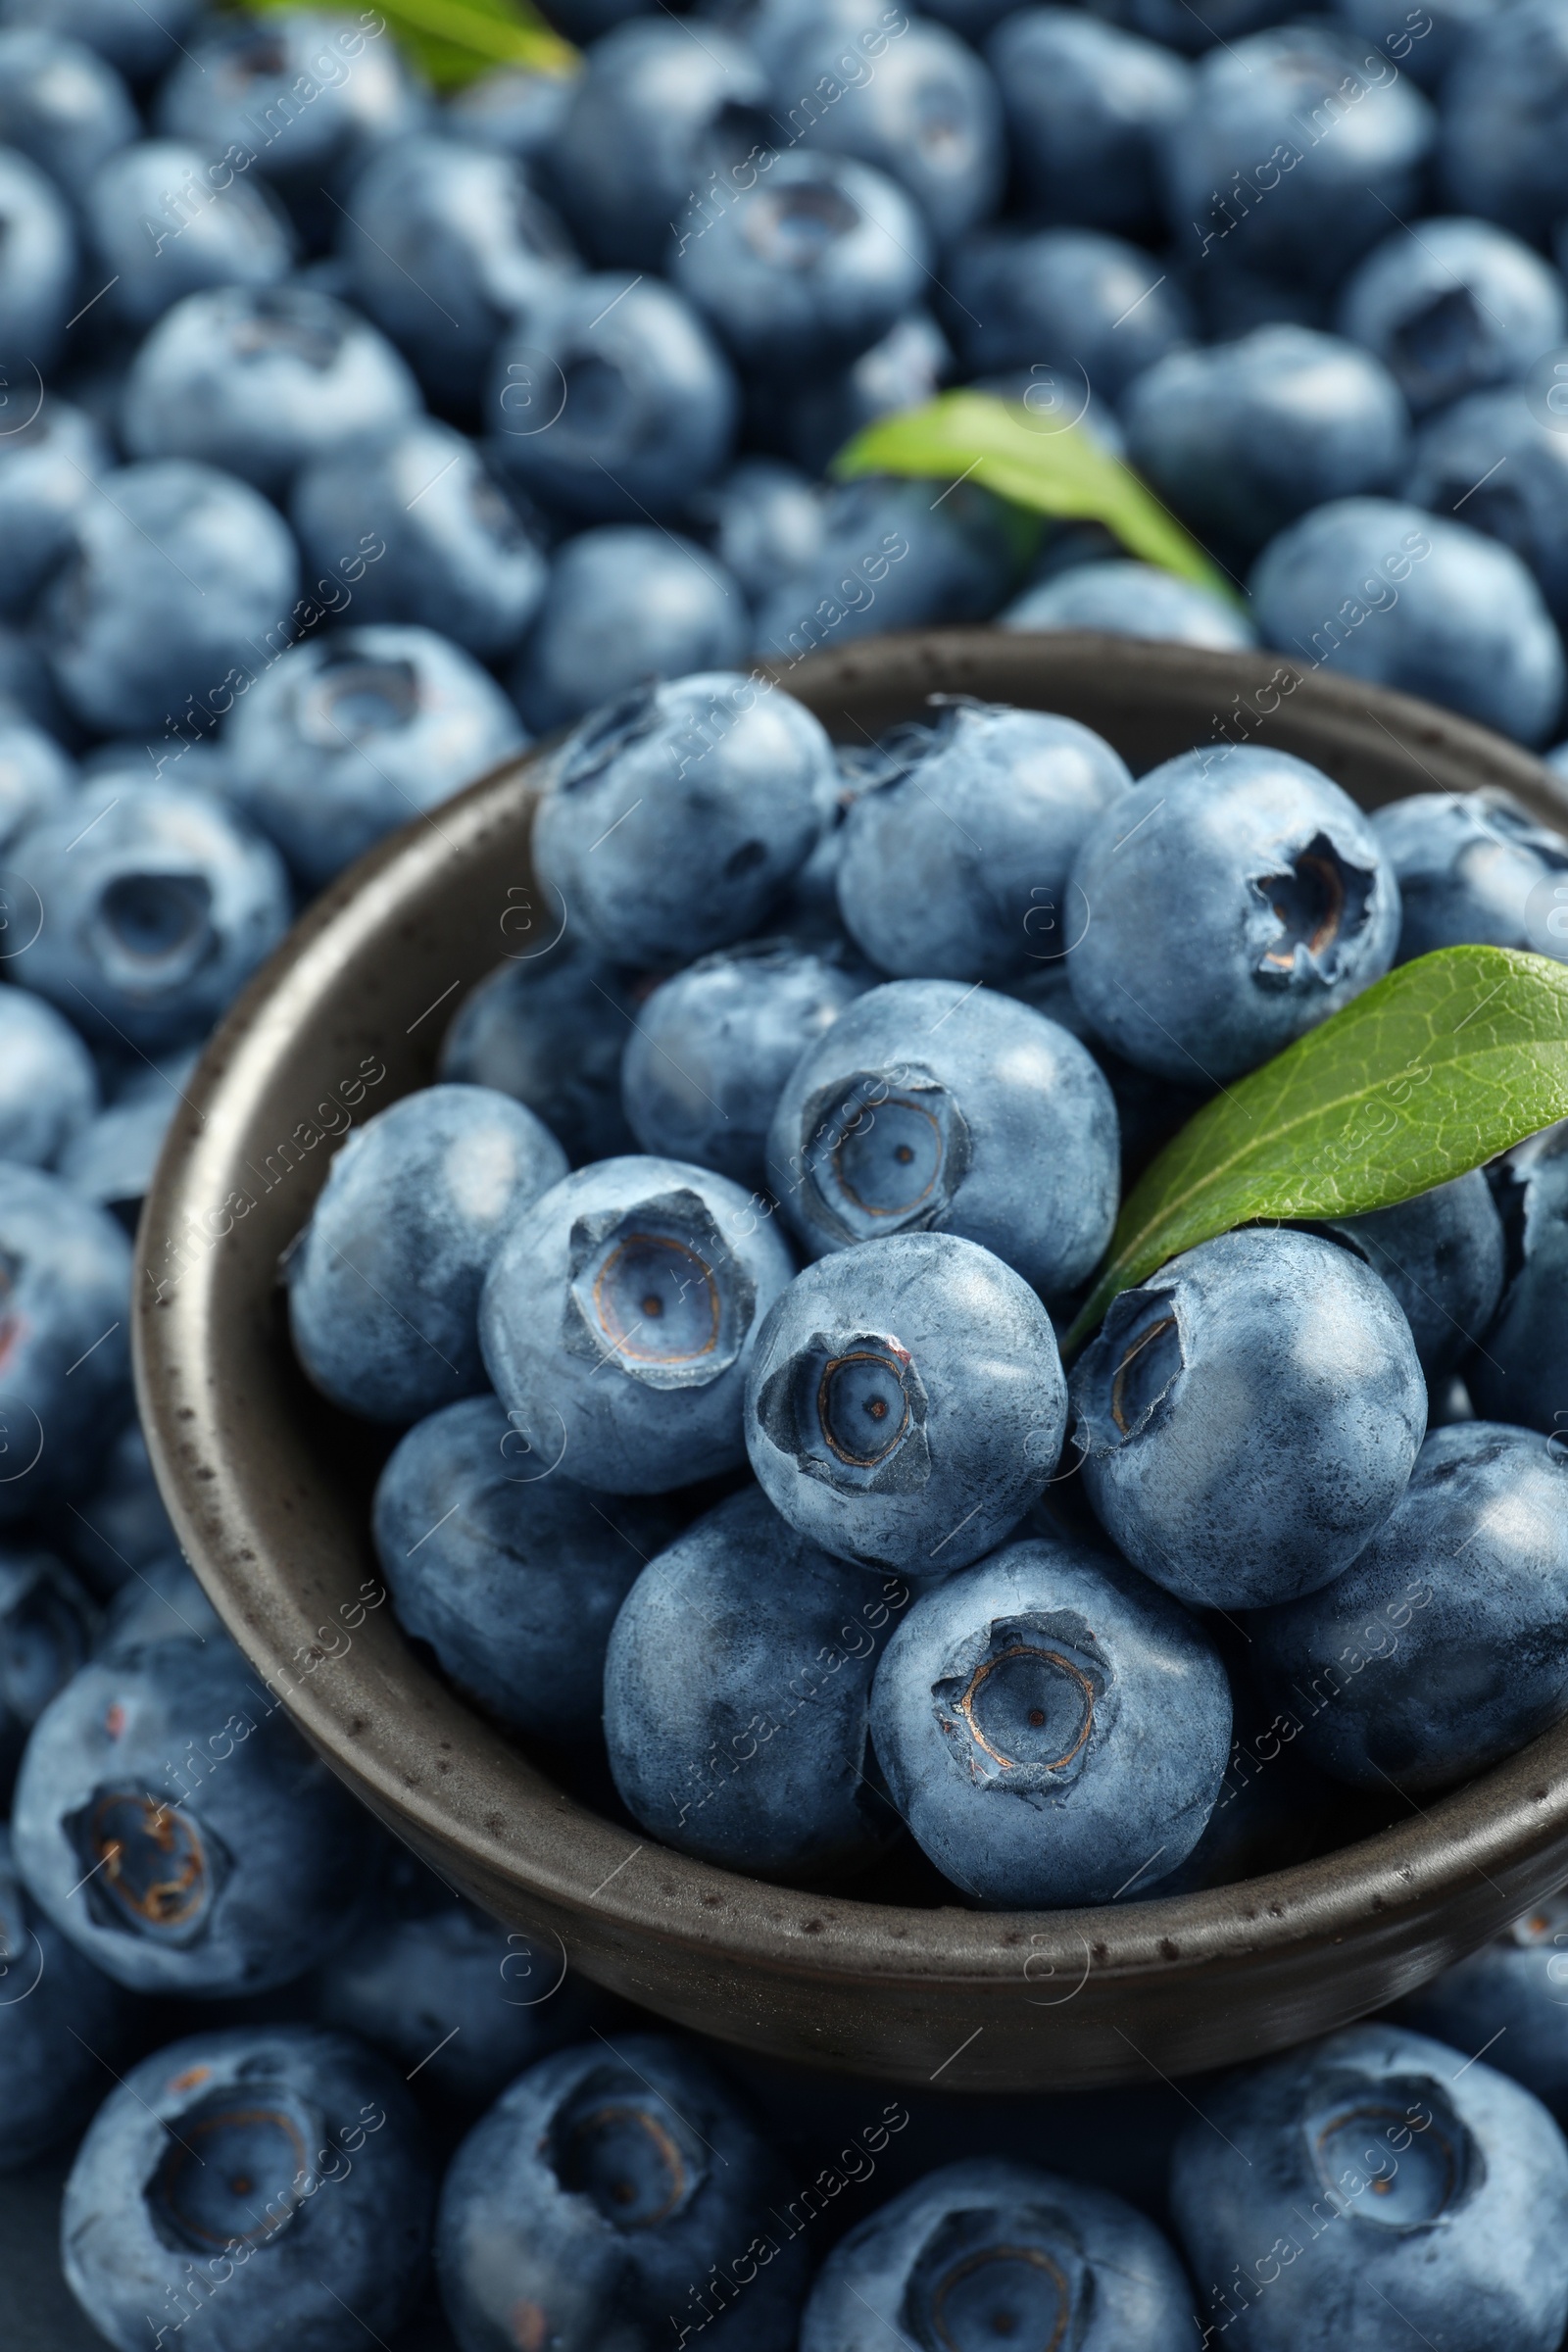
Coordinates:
[1128,1371]
[882,1152]
[150,932]
[988,2277]
[1022,1701]
[850,1408]
[350,697]
[605,735]
[627,2152]
[1321,905]
[1391,2153]
[236,2171]
[151,1869]
[656,1292]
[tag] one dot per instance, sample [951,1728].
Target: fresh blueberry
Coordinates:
[48,1082]
[1259,1347]
[904,369]
[384,1283]
[611,399]
[512,1575]
[1436,1654]
[1173,23]
[593,2203]
[445,242]
[549,1029]
[1053,1679]
[159,1601]
[808,267]
[117,1525]
[1375,2185]
[159,903]
[261,380]
[1508,1996]
[1422,43]
[1083,312]
[660,112]
[349,736]
[457,556]
[710,1050]
[64,1355]
[1132,600]
[1441,1255]
[37,269]
[736,1693]
[1498,466]
[710,789]
[141,40]
[1088,108]
[625,603]
[1475,866]
[1242,437]
[986,2251]
[266,2183]
[766,522]
[618,1319]
[1397,597]
[113,1159]
[1519,1372]
[914,100]
[62,2024]
[1452,307]
[1502,152]
[905,1402]
[955,864]
[175,577]
[1294,153]
[166,220]
[1229,902]
[47,1625]
[514,108]
[931,1107]
[893,557]
[173,1824]
[61,105]
[48,467]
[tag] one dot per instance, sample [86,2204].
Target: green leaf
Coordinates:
[1441,1065]
[455,41]
[1052,469]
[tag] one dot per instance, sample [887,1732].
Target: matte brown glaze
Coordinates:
[269,1489]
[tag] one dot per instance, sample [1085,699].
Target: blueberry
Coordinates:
[113,1159]
[63,1337]
[1368,2184]
[918,104]
[710,1050]
[1508,1995]
[444,242]
[904,369]
[906,1404]
[118,1523]
[985,2251]
[593,2203]
[1423,50]
[1452,1612]
[658,113]
[929,1107]
[1296,150]
[893,558]
[610,400]
[514,108]
[1441,1255]
[349,736]
[261,380]
[1502,153]
[1475,866]
[175,577]
[173,1824]
[384,1282]
[37,269]
[1496,465]
[1259,1347]
[266,2183]
[1230,901]
[1053,1679]
[48,1083]
[62,2024]
[1453,306]
[47,1625]
[618,1319]
[166,220]
[1242,437]
[457,556]
[159,905]
[1390,594]
[956,863]
[766,521]
[1132,600]
[512,1576]
[159,1601]
[1519,1371]
[711,790]
[140,41]
[60,104]
[1172,23]
[808,267]
[1088,108]
[1082,310]
[731,1738]
[550,1029]
[625,603]
[47,471]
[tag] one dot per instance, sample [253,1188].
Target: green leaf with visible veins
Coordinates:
[1438,1068]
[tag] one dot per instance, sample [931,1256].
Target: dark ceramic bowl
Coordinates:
[269,1489]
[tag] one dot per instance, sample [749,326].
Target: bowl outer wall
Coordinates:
[270,1506]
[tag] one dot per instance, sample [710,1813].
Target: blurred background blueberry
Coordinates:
[1498,462]
[1500,154]
[907,367]
[893,557]
[1083,312]
[47,1626]
[37,269]
[766,521]
[1452,307]
[512,109]
[166,218]
[1131,600]
[61,104]
[48,466]
[48,1082]
[116,1525]
[67,1356]
[113,1159]
[142,37]
[625,603]
[62,2024]
[1088,108]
